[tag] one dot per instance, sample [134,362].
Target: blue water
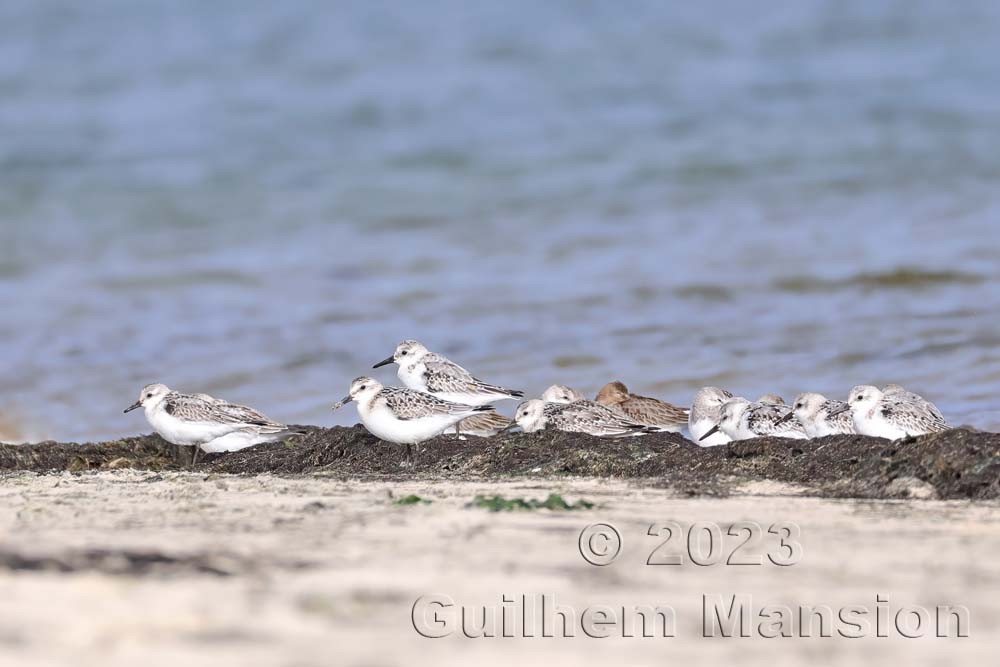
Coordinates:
[259,199]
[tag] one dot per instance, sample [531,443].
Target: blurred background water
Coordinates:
[260,199]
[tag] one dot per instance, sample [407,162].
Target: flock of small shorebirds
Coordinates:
[440,396]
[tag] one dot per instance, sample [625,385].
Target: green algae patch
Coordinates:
[553,502]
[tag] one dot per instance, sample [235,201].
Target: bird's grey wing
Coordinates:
[591,417]
[905,396]
[407,404]
[203,408]
[764,418]
[914,418]
[191,408]
[932,409]
[245,415]
[444,376]
[842,418]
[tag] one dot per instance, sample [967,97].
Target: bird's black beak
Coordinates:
[838,411]
[711,431]
[342,402]
[134,406]
[513,428]
[787,417]
[384,362]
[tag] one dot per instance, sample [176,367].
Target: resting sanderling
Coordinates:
[821,416]
[705,415]
[771,399]
[560,393]
[643,409]
[205,422]
[576,417]
[423,370]
[484,425]
[891,416]
[901,393]
[404,416]
[741,420]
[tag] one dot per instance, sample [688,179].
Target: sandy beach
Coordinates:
[129,566]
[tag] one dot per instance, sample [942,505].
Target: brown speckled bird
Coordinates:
[643,409]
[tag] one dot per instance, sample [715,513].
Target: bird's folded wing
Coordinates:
[913,416]
[407,404]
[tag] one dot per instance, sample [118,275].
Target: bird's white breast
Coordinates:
[384,424]
[412,376]
[700,427]
[181,432]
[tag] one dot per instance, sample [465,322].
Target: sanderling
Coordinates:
[643,409]
[560,393]
[405,416]
[899,392]
[771,399]
[741,419]
[484,425]
[705,415]
[821,416]
[205,422]
[891,416]
[427,371]
[576,417]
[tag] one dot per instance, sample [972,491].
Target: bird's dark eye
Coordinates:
[149,396]
[403,353]
[362,387]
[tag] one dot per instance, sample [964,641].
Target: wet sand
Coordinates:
[145,567]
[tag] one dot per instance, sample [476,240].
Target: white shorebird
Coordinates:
[205,422]
[893,415]
[643,409]
[576,417]
[741,419]
[402,415]
[771,399]
[426,371]
[705,415]
[589,411]
[560,393]
[821,416]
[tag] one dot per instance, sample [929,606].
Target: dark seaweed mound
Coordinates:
[960,463]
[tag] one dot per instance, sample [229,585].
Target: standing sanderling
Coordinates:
[643,409]
[205,422]
[705,415]
[576,417]
[821,416]
[423,370]
[741,419]
[560,393]
[891,416]
[405,416]
[484,425]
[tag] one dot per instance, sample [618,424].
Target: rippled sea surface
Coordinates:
[258,200]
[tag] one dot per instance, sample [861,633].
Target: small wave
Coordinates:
[899,278]
[576,361]
[704,292]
